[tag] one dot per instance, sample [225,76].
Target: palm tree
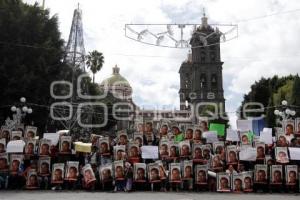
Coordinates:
[95,62]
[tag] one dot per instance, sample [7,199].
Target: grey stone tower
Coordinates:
[201,74]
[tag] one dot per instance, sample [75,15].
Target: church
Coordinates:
[201,82]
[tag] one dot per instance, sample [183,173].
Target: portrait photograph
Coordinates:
[164,148]
[260,150]
[162,171]
[276,174]
[197,134]
[44,147]
[261,174]
[104,147]
[16,135]
[223,182]
[175,172]
[30,132]
[184,148]
[289,127]
[216,163]
[189,133]
[119,152]
[197,152]
[30,146]
[201,174]
[139,174]
[244,138]
[297,126]
[138,138]
[248,181]
[173,150]
[72,170]
[133,150]
[88,174]
[15,162]
[32,180]
[281,154]
[44,164]
[65,144]
[291,174]
[231,154]
[187,172]
[2,145]
[153,172]
[206,151]
[5,133]
[237,182]
[119,170]
[122,137]
[219,147]
[58,173]
[106,173]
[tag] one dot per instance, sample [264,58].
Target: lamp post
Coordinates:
[20,111]
[285,112]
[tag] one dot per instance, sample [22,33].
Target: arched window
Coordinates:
[202,81]
[214,81]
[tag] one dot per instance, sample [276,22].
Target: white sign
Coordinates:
[149,152]
[266,137]
[294,153]
[244,125]
[15,146]
[211,136]
[232,135]
[248,154]
[54,137]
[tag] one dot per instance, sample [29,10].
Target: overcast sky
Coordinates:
[266,45]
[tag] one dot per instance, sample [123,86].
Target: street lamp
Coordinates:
[20,112]
[285,113]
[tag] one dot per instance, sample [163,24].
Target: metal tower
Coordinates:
[75,51]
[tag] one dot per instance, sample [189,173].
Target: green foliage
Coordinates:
[95,62]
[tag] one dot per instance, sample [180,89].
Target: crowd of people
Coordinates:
[188,160]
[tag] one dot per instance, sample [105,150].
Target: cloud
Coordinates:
[266,45]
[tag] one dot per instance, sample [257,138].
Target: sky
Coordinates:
[267,45]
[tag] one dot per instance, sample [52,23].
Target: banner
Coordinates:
[149,152]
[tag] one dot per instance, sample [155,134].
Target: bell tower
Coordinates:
[201,76]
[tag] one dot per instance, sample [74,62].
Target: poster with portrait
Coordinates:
[276,174]
[30,132]
[248,181]
[162,171]
[261,174]
[65,144]
[184,149]
[153,172]
[216,163]
[297,126]
[30,146]
[2,145]
[19,127]
[197,134]
[32,180]
[281,140]
[120,152]
[189,133]
[16,135]
[288,126]
[44,147]
[281,154]
[197,152]
[187,172]
[5,133]
[139,172]
[122,137]
[231,154]
[58,172]
[72,170]
[223,182]
[15,162]
[291,174]
[260,150]
[206,151]
[44,164]
[175,172]
[201,174]
[119,170]
[88,174]
[138,138]
[244,138]
[133,150]
[237,182]
[269,160]
[3,162]
[163,148]
[106,173]
[218,148]
[173,149]
[104,147]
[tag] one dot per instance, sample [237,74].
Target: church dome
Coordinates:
[117,85]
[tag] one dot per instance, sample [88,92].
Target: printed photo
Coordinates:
[139,172]
[15,162]
[281,154]
[138,138]
[30,132]
[261,174]
[153,170]
[106,173]
[184,148]
[30,146]
[291,174]
[119,152]
[44,166]
[223,182]
[164,148]
[32,180]
[201,174]
[231,155]
[104,146]
[248,181]
[44,147]
[3,162]
[133,150]
[237,182]
[187,170]
[2,145]
[276,174]
[72,171]
[119,170]
[88,174]
[65,144]
[175,172]
[58,170]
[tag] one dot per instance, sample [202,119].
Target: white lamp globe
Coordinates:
[288,111]
[22,99]
[25,109]
[29,111]
[284,102]
[13,108]
[276,112]
[293,113]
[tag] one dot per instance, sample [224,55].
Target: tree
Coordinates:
[95,62]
